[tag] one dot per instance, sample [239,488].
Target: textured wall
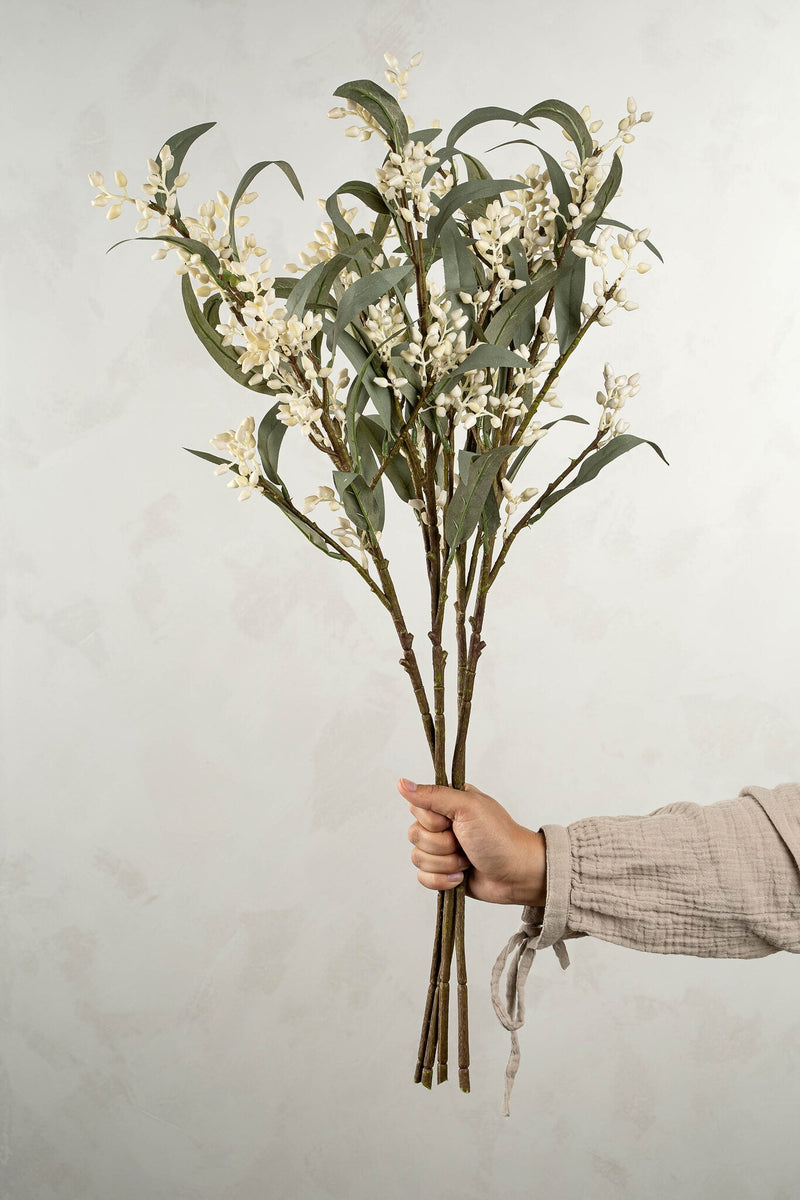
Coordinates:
[216,948]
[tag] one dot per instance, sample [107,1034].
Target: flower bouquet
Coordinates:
[417,344]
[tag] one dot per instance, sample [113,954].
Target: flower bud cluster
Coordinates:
[324,246]
[323,495]
[499,225]
[440,495]
[617,389]
[240,444]
[400,183]
[512,501]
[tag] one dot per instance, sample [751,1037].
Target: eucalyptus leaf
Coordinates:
[484,356]
[213,458]
[381,105]
[271,432]
[515,319]
[591,467]
[363,506]
[464,509]
[570,121]
[313,535]
[461,194]
[480,116]
[570,287]
[364,292]
[397,470]
[225,356]
[245,182]
[312,290]
[178,144]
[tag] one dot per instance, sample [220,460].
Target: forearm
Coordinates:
[719,880]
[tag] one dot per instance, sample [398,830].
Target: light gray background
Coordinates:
[216,947]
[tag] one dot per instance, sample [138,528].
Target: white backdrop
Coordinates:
[216,946]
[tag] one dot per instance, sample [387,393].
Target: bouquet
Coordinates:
[417,346]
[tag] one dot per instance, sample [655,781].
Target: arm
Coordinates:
[717,881]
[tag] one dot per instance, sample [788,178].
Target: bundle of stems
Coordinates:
[466,357]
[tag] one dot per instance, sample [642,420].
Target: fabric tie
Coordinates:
[526,941]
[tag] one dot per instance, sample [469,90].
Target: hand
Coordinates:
[455,831]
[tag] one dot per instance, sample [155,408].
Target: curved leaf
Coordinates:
[397,470]
[363,506]
[245,182]
[480,116]
[516,318]
[379,104]
[178,144]
[464,509]
[486,356]
[310,531]
[558,182]
[570,121]
[473,189]
[225,356]
[270,434]
[364,292]
[593,465]
[312,290]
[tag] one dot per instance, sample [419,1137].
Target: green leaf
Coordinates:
[480,116]
[245,182]
[224,356]
[516,318]
[365,369]
[313,535]
[622,225]
[463,271]
[178,144]
[570,286]
[475,168]
[397,471]
[362,505]
[312,290]
[570,121]
[473,189]
[593,465]
[464,510]
[207,255]
[364,292]
[214,458]
[379,104]
[271,433]
[483,356]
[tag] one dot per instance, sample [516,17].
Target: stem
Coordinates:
[429,1003]
[463,1005]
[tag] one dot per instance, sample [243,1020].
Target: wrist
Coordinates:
[532,889]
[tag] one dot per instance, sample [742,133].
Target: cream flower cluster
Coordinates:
[495,230]
[440,495]
[621,250]
[324,246]
[400,183]
[240,444]
[512,501]
[617,389]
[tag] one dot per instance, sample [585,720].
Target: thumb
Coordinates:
[445,800]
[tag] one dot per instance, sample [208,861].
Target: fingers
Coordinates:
[430,820]
[438,864]
[433,843]
[440,883]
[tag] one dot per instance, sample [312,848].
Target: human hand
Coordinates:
[468,831]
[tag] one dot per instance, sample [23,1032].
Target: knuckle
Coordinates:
[415,858]
[413,832]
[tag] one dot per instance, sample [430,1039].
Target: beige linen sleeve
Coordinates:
[716,881]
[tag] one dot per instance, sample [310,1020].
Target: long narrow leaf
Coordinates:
[464,509]
[516,318]
[224,356]
[364,292]
[245,182]
[362,505]
[381,105]
[570,121]
[591,467]
[525,451]
[462,193]
[178,144]
[271,432]
[480,116]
